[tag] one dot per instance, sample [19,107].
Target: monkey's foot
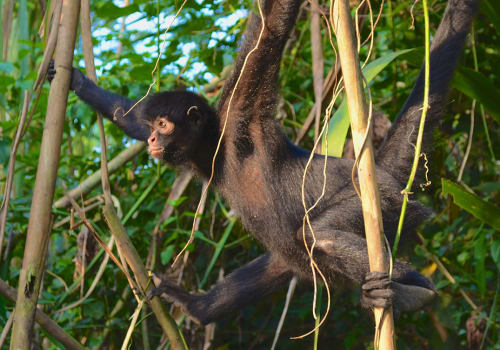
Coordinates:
[376,290]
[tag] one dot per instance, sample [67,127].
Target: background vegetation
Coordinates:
[460,250]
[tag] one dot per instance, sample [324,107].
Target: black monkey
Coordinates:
[259,171]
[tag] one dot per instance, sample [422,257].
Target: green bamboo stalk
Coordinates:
[166,322]
[40,217]
[418,147]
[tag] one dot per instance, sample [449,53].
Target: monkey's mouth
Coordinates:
[156,151]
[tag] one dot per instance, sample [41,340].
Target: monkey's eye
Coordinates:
[164,125]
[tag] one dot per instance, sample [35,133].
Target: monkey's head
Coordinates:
[182,126]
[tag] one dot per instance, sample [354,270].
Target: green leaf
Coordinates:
[373,68]
[480,270]
[338,127]
[5,145]
[495,252]
[478,87]
[111,11]
[6,67]
[218,250]
[488,187]
[166,255]
[177,202]
[491,9]
[339,123]
[484,211]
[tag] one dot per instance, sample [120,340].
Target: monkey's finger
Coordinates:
[384,284]
[379,294]
[376,275]
[380,303]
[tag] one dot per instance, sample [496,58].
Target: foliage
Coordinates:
[201,43]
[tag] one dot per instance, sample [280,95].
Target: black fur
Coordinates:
[259,171]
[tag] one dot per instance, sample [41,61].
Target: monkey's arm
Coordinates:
[346,254]
[396,153]
[109,104]
[249,283]
[257,89]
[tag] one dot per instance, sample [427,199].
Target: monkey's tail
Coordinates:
[396,153]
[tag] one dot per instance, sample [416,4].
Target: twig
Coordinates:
[11,168]
[87,208]
[131,328]
[96,280]
[43,320]
[6,328]
[289,295]
[88,55]
[469,142]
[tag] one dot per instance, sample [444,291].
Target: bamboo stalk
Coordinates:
[43,194]
[45,321]
[88,56]
[7,10]
[370,196]
[317,68]
[166,322]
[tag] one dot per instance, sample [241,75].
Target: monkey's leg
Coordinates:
[346,254]
[109,104]
[250,282]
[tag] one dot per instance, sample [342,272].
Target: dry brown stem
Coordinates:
[370,196]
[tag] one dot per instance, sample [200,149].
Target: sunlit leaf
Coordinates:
[339,122]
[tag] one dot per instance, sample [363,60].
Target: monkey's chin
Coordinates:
[156,152]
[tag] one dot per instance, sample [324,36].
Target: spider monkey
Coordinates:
[259,171]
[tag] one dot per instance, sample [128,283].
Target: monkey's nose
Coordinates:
[152,139]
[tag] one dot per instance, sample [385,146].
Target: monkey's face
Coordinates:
[161,128]
[170,141]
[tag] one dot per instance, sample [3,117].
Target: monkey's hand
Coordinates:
[408,292]
[376,290]
[77,77]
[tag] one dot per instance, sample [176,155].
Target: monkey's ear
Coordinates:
[194,113]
